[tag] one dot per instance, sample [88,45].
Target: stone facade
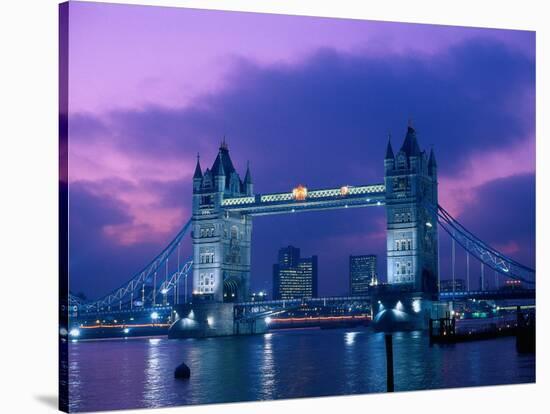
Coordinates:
[411,205]
[221,239]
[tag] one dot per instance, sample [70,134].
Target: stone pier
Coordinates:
[211,319]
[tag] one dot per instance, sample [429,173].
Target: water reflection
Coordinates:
[268,369]
[154,375]
[139,372]
[350,337]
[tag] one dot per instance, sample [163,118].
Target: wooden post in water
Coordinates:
[389,361]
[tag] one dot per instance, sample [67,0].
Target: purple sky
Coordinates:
[306,100]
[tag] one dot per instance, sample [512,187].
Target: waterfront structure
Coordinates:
[362,273]
[294,277]
[411,212]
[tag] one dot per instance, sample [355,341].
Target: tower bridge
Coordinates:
[223,209]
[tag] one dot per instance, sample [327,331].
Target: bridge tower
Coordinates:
[221,239]
[411,187]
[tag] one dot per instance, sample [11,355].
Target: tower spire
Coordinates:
[219,170]
[410,144]
[198,171]
[248,176]
[223,145]
[432,163]
[389,149]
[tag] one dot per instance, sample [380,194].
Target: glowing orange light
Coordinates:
[344,190]
[300,193]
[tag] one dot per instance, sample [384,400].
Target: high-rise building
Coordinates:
[446,285]
[294,277]
[362,273]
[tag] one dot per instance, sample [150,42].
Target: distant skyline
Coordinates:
[306,100]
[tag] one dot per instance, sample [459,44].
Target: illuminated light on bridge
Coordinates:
[299,193]
[154,316]
[399,306]
[344,190]
[268,320]
[75,333]
[416,306]
[126,330]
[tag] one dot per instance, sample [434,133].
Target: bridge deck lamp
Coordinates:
[300,192]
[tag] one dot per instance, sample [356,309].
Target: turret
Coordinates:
[197,176]
[248,186]
[219,173]
[389,160]
[432,164]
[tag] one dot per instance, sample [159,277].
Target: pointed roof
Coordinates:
[198,171]
[410,145]
[389,149]
[223,161]
[248,176]
[432,162]
[217,167]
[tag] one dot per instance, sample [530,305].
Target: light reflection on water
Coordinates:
[139,372]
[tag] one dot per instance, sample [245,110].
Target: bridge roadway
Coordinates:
[323,199]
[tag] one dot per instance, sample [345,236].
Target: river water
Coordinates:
[134,373]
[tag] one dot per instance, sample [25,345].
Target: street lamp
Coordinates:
[154,317]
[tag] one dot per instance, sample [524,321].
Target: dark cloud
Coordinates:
[503,216]
[97,263]
[504,213]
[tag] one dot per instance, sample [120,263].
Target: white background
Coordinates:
[28,204]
